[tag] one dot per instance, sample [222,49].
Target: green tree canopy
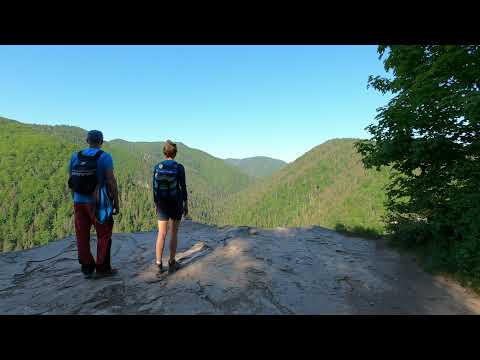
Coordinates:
[429,133]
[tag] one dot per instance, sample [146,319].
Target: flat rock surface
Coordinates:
[231,270]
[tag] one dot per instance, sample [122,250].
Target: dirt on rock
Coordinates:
[231,270]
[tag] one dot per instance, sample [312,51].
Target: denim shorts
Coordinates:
[169,210]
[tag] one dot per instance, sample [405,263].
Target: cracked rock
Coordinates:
[230,271]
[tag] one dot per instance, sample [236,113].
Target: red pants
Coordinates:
[84,219]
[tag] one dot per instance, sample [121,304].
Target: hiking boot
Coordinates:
[102,274]
[173,266]
[88,270]
[88,275]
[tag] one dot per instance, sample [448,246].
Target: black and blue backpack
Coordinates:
[165,181]
[83,178]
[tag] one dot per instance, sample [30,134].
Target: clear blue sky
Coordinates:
[230,101]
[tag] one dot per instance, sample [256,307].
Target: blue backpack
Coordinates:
[104,208]
[165,181]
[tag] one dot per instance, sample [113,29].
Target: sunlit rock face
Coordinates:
[231,270]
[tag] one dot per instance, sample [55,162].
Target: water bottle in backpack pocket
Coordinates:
[165,181]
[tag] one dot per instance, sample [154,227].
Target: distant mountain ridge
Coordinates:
[257,166]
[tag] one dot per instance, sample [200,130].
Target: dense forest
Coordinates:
[34,197]
[327,186]
[36,202]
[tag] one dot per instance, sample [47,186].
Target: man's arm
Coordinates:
[112,189]
[70,174]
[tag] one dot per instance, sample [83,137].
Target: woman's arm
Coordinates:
[183,187]
[153,187]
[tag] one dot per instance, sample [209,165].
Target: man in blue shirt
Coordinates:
[85,206]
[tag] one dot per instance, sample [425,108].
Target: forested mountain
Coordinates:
[258,166]
[36,202]
[327,186]
[34,197]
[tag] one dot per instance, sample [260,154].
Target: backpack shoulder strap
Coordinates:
[98,154]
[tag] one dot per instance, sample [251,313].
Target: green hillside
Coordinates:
[36,203]
[327,186]
[34,197]
[258,166]
[212,173]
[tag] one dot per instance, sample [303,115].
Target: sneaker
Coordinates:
[173,266]
[102,274]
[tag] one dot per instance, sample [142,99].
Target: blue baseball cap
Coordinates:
[95,136]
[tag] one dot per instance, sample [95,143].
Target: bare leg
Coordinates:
[162,233]
[173,238]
